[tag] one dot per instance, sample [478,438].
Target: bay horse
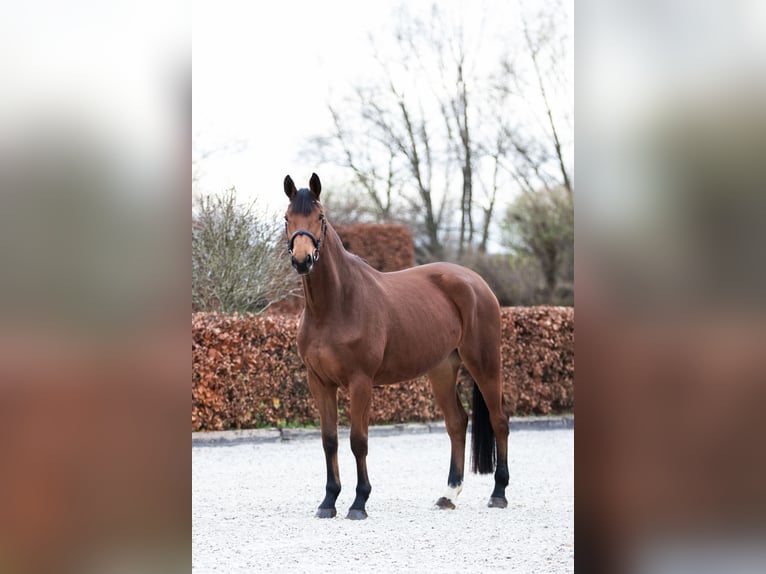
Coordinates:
[361,327]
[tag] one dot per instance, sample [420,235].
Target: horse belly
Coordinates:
[417,343]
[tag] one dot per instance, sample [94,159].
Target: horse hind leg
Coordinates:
[489,417]
[444,384]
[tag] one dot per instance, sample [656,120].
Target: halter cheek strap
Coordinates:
[317,242]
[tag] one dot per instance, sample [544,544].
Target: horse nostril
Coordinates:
[303,266]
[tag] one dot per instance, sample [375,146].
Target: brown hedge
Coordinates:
[246,372]
[386,247]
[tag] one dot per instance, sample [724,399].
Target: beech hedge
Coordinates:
[386,247]
[246,372]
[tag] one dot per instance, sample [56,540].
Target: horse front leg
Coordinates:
[326,399]
[360,394]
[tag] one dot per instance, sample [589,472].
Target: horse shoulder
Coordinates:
[329,349]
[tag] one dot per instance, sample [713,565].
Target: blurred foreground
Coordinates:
[94,157]
[671,276]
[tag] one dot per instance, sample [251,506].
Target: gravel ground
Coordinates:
[253,507]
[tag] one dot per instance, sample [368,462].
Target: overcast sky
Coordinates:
[262,76]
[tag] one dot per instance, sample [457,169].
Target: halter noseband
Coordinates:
[317,242]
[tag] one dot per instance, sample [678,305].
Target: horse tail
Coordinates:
[482,436]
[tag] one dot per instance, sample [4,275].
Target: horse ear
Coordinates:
[290,190]
[315,185]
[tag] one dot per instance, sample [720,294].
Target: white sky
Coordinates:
[262,75]
[116,67]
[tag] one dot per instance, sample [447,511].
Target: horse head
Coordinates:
[305,224]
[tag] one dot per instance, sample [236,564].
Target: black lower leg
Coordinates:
[500,427]
[363,490]
[501,481]
[455,476]
[332,489]
[363,487]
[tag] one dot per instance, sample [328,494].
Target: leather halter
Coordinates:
[317,242]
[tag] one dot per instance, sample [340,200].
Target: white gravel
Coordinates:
[253,507]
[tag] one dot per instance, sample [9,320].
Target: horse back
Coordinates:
[431,310]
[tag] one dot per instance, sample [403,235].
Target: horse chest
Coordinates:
[333,358]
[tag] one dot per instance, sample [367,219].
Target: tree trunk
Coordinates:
[489,211]
[544,94]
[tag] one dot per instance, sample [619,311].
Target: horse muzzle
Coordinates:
[303,267]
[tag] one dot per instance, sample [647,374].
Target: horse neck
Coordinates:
[328,284]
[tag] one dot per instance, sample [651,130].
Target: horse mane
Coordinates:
[303,202]
[354,256]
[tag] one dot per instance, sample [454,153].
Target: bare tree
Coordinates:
[406,133]
[528,79]
[441,44]
[358,157]
[238,257]
[440,137]
[489,210]
[389,152]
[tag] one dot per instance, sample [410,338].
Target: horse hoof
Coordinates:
[325,513]
[497,502]
[445,502]
[354,514]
